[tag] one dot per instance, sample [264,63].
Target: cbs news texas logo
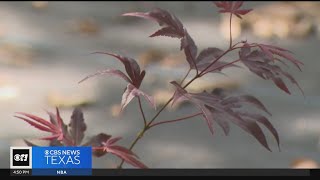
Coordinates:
[50,157]
[63,157]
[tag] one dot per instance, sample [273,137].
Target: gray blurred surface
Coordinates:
[63,59]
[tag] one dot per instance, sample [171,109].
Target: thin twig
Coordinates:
[184,78]
[175,120]
[218,58]
[193,61]
[141,110]
[222,66]
[230,46]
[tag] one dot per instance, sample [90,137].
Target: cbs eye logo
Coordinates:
[20,157]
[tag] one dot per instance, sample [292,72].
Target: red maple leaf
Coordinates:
[262,63]
[103,144]
[134,78]
[221,109]
[273,51]
[232,7]
[56,126]
[172,25]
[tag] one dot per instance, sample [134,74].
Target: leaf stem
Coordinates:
[193,61]
[141,110]
[175,120]
[218,58]
[233,46]
[184,78]
[222,66]
[230,46]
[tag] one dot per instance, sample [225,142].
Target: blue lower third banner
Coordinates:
[61,161]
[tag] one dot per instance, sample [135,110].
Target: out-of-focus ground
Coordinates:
[44,52]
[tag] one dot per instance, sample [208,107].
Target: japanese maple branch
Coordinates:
[175,120]
[158,113]
[147,126]
[141,110]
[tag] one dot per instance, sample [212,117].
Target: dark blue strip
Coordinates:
[61,172]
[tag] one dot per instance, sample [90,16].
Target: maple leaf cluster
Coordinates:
[217,107]
[262,62]
[73,134]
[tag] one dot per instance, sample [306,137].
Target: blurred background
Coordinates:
[45,50]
